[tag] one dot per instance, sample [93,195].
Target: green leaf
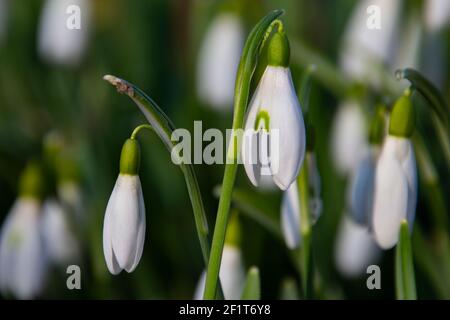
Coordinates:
[252,288]
[405,283]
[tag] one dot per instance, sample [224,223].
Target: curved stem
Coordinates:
[139,128]
[242,90]
[163,127]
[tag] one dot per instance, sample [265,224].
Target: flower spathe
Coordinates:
[124,225]
[395,190]
[23,259]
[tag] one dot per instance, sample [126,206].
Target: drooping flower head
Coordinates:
[124,223]
[396,176]
[274,140]
[23,258]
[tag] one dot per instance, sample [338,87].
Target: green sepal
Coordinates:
[403,118]
[130,157]
[278,50]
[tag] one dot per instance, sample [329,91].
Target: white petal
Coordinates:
[58,236]
[110,258]
[391,196]
[437,14]
[410,171]
[126,220]
[140,233]
[285,116]
[56,42]
[290,217]
[219,60]
[232,274]
[348,137]
[355,249]
[362,190]
[200,287]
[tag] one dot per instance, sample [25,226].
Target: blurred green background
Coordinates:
[155,44]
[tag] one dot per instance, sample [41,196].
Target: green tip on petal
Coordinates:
[278,51]
[130,157]
[402,122]
[233,235]
[252,288]
[32,181]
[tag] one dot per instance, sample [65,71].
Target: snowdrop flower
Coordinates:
[290,206]
[369,39]
[355,248]
[61,38]
[274,140]
[23,260]
[60,241]
[219,60]
[232,271]
[437,14]
[396,177]
[124,224]
[348,137]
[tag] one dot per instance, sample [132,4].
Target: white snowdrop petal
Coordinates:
[290,217]
[348,137]
[232,274]
[391,197]
[125,220]
[362,189]
[111,261]
[140,233]
[219,60]
[200,287]
[355,249]
[437,14]
[56,42]
[285,116]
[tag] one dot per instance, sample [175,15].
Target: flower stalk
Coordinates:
[242,90]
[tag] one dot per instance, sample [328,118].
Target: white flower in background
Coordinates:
[365,48]
[437,14]
[355,248]
[57,43]
[219,60]
[348,136]
[124,224]
[23,260]
[396,177]
[360,197]
[60,241]
[276,144]
[290,206]
[231,275]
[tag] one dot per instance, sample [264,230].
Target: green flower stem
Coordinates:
[163,127]
[305,230]
[246,67]
[139,128]
[405,283]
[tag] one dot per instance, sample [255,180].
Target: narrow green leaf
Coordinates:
[405,282]
[252,288]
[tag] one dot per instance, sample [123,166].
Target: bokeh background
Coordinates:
[46,102]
